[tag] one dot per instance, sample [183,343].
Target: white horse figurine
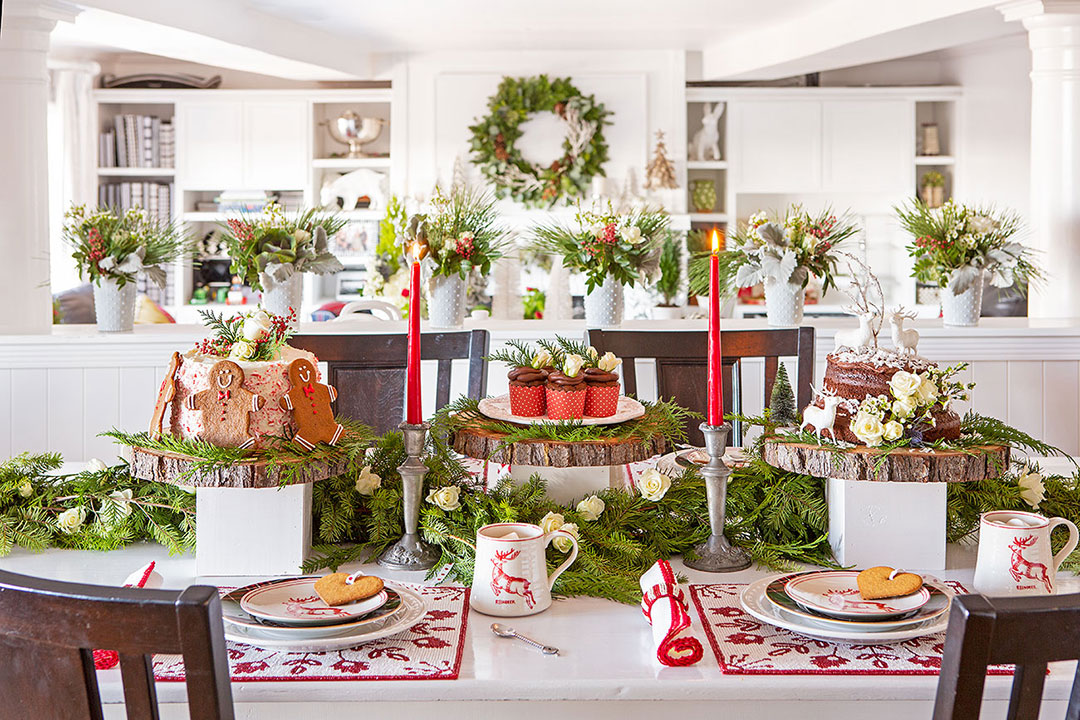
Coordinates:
[822,418]
[861,336]
[905,341]
[706,141]
[353,186]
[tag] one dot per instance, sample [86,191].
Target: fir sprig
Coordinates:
[517,354]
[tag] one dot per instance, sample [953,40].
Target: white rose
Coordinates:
[26,489]
[893,431]
[927,392]
[904,384]
[982,224]
[122,498]
[904,407]
[609,362]
[71,520]
[445,497]
[253,329]
[564,544]
[868,428]
[592,353]
[591,508]
[1031,489]
[572,365]
[367,482]
[542,359]
[242,350]
[632,235]
[551,522]
[653,485]
[95,465]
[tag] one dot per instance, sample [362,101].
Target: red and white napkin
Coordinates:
[144,577]
[664,605]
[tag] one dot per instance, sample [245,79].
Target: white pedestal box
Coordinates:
[887,523]
[252,531]
[565,485]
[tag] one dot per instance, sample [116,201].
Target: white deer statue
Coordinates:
[706,141]
[861,336]
[822,418]
[905,341]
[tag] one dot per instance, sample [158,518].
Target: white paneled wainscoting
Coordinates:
[58,391]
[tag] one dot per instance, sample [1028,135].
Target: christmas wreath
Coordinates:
[584,149]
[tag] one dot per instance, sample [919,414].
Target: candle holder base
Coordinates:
[717,554]
[410,552]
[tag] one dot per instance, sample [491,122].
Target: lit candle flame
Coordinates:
[414,251]
[715,241]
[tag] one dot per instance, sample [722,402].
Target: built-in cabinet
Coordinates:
[777,144]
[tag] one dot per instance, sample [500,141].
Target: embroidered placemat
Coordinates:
[743,645]
[429,650]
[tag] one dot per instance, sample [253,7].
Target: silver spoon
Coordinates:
[509,632]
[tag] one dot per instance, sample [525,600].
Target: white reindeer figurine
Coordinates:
[905,341]
[822,418]
[861,336]
[706,141]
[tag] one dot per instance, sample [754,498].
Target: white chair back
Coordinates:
[368,310]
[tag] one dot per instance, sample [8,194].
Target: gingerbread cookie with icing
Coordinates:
[310,401]
[226,406]
[166,393]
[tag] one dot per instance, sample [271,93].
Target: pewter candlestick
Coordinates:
[411,552]
[716,554]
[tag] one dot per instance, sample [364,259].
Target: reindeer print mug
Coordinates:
[510,577]
[1015,556]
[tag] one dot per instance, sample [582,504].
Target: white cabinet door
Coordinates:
[778,145]
[275,144]
[210,144]
[868,146]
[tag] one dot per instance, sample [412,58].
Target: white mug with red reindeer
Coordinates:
[1015,556]
[510,577]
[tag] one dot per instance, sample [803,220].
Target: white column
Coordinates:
[25,301]
[1054,38]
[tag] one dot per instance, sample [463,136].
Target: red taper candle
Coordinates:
[414,413]
[716,382]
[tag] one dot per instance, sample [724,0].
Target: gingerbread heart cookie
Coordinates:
[334,590]
[884,582]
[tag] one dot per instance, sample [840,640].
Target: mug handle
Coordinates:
[573,554]
[1070,545]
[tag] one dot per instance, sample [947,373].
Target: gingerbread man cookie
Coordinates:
[226,406]
[166,393]
[310,402]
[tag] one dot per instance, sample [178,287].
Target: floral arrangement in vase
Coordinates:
[257,335]
[957,246]
[111,249]
[907,412]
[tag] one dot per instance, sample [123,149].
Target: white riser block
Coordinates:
[887,523]
[565,485]
[252,531]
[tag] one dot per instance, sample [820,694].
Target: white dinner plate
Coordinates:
[755,603]
[295,602]
[836,593]
[498,408]
[412,610]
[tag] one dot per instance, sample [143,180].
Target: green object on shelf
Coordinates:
[703,195]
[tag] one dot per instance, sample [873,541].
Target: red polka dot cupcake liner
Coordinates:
[528,401]
[566,404]
[602,400]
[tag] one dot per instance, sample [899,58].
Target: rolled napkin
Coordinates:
[144,577]
[664,604]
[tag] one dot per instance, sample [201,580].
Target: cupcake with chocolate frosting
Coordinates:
[566,390]
[528,377]
[602,386]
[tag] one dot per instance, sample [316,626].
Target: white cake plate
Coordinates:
[498,408]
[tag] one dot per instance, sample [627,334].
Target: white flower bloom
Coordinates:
[445,497]
[564,544]
[592,353]
[26,489]
[982,224]
[927,392]
[653,485]
[759,218]
[71,520]
[632,235]
[551,522]
[1031,489]
[591,508]
[609,362]
[122,498]
[904,407]
[95,465]
[572,365]
[868,428]
[367,482]
[892,431]
[253,329]
[904,384]
[242,350]
[542,359]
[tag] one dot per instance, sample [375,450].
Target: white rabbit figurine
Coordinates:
[706,141]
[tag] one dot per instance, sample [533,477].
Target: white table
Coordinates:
[605,669]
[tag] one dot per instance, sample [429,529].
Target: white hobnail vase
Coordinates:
[279,297]
[963,309]
[446,308]
[667,312]
[783,303]
[604,304]
[114,305]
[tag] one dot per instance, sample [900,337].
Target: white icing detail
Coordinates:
[882,358]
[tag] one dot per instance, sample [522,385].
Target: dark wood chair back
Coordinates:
[1026,631]
[369,370]
[681,364]
[48,630]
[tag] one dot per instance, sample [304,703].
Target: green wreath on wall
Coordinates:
[584,148]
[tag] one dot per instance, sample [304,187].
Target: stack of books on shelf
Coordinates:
[243,201]
[154,198]
[138,141]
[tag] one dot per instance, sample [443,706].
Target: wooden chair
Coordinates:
[48,630]
[369,370]
[681,364]
[1026,631]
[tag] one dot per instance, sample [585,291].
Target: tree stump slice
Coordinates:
[475,442]
[179,469]
[906,465]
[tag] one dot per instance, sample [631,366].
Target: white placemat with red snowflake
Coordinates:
[744,645]
[429,650]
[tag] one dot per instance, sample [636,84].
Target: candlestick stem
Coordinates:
[716,554]
[411,552]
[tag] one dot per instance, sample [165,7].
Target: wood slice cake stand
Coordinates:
[572,469]
[247,522]
[888,509]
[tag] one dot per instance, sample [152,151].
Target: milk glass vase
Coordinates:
[114,305]
[962,309]
[783,303]
[447,306]
[604,304]
[279,297]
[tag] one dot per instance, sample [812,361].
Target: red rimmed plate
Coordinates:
[295,602]
[836,593]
